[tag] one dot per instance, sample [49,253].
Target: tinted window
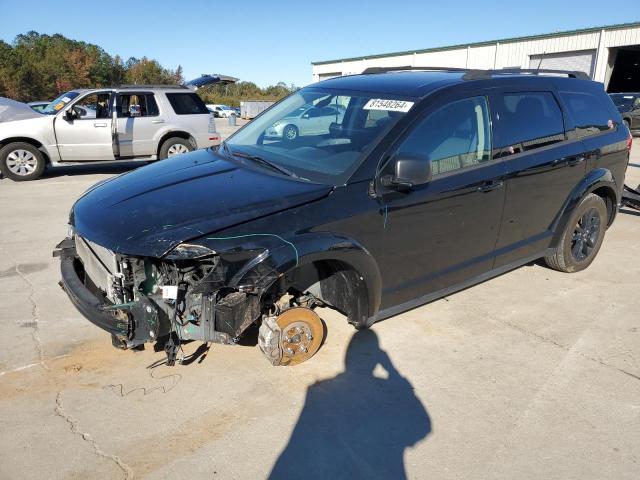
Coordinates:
[456,136]
[186,103]
[527,121]
[137,105]
[589,114]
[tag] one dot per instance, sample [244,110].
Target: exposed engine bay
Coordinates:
[194,294]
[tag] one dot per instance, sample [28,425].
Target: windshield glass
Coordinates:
[317,134]
[622,100]
[59,103]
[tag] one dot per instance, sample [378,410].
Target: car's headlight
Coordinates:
[186,251]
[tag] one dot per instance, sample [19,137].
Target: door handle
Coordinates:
[157,121]
[576,160]
[491,185]
[101,124]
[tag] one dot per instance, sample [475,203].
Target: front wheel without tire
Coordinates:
[582,236]
[21,161]
[175,146]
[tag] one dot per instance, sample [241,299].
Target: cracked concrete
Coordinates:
[75,429]
[530,375]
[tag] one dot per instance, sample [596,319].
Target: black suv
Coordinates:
[425,182]
[629,106]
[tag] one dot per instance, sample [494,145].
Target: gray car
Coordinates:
[132,123]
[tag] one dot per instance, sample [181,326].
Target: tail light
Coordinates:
[629,142]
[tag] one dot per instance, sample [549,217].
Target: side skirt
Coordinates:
[417,302]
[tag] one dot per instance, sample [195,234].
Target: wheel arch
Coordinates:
[175,133]
[599,181]
[337,270]
[32,141]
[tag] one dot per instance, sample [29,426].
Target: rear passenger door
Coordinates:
[138,123]
[543,168]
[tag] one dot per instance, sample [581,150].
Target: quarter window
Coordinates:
[187,103]
[527,121]
[588,112]
[456,136]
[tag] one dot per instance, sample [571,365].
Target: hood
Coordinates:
[150,210]
[11,110]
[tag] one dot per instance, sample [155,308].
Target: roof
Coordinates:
[402,83]
[485,43]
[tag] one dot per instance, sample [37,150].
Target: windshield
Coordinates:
[622,100]
[59,103]
[319,135]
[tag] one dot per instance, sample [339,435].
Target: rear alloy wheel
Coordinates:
[582,237]
[290,133]
[21,161]
[175,146]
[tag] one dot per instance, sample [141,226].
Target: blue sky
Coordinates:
[276,40]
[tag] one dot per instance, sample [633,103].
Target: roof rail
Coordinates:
[142,85]
[479,74]
[372,70]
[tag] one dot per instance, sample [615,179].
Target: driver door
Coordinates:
[86,137]
[443,232]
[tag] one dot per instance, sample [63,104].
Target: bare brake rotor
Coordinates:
[292,337]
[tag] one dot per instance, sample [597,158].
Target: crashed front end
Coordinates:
[191,293]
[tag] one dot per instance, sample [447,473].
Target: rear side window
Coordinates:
[456,136]
[136,105]
[589,114]
[527,121]
[187,103]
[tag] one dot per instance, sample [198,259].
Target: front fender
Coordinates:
[599,178]
[261,258]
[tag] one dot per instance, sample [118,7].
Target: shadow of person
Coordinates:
[355,425]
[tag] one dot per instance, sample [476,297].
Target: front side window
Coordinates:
[136,105]
[187,103]
[527,121]
[588,112]
[95,105]
[320,135]
[453,137]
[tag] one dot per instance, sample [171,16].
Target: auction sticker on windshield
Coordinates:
[389,105]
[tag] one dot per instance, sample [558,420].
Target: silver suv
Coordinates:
[139,123]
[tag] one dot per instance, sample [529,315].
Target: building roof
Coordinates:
[485,43]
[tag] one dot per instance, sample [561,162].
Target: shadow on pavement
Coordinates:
[356,425]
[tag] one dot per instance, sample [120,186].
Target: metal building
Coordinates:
[609,54]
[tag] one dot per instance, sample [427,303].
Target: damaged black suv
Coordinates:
[371,194]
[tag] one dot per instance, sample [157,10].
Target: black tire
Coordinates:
[582,236]
[290,133]
[21,161]
[166,149]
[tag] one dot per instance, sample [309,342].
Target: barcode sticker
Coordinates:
[388,105]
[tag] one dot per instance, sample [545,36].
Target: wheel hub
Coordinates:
[292,337]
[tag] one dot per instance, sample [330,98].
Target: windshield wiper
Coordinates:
[260,160]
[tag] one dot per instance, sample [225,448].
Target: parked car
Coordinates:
[136,123]
[38,106]
[222,111]
[306,120]
[629,106]
[427,183]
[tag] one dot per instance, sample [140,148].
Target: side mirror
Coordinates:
[409,170]
[306,115]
